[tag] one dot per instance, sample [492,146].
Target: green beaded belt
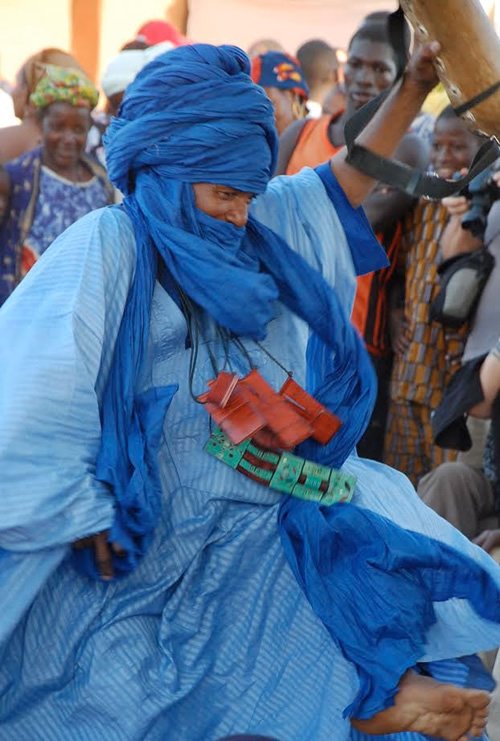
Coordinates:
[284,471]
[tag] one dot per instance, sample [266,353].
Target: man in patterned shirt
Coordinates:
[426,354]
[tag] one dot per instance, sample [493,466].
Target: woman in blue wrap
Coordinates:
[148,590]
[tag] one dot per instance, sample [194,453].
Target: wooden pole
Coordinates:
[469,61]
[85,34]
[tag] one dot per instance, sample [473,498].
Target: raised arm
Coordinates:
[456,240]
[385,205]
[391,122]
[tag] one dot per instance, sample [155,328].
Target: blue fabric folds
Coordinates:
[137,509]
[367,254]
[150,151]
[373,585]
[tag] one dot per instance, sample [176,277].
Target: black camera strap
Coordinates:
[477,99]
[397,174]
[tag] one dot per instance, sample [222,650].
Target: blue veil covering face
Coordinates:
[194,115]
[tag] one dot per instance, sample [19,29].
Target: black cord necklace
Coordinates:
[226,339]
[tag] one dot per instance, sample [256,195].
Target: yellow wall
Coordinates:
[120,21]
[26,26]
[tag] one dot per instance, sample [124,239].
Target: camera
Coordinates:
[481,193]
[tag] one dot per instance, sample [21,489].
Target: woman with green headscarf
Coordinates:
[17,139]
[55,184]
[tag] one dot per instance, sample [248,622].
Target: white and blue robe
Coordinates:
[211,634]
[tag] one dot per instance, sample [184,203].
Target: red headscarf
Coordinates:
[154,32]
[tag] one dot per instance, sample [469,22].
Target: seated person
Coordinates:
[460,493]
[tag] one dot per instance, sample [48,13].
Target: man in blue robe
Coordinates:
[148,591]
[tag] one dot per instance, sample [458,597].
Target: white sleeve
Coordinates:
[58,333]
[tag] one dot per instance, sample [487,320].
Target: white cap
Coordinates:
[123,69]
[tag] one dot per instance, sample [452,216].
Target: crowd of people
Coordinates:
[218,285]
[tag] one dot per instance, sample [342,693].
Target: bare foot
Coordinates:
[426,706]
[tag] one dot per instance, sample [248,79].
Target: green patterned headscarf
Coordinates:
[64,85]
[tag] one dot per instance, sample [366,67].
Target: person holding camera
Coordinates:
[373,65]
[468,497]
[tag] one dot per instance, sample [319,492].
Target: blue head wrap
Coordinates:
[194,115]
[277,69]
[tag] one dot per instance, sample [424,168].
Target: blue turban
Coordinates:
[280,70]
[194,115]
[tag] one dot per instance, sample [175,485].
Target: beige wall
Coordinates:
[26,26]
[291,22]
[120,21]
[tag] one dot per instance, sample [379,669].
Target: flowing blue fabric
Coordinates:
[373,585]
[221,130]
